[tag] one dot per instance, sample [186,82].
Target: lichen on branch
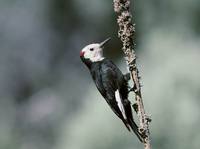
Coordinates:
[126,33]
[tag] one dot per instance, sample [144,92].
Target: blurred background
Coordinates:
[47,97]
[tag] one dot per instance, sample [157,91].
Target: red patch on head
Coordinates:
[82,54]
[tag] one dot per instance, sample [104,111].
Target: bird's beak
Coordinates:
[104,42]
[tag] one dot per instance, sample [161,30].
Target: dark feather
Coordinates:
[108,78]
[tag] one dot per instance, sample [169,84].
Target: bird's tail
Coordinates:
[134,127]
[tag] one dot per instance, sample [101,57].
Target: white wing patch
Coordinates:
[119,103]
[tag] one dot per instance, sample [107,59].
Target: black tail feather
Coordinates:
[126,124]
[134,127]
[130,122]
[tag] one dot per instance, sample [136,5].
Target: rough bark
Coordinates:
[126,33]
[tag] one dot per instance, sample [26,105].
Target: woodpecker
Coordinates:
[111,83]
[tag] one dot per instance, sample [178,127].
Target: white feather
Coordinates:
[119,103]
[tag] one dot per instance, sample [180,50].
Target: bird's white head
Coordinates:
[93,52]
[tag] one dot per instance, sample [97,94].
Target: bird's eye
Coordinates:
[92,49]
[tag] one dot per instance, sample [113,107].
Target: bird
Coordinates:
[111,83]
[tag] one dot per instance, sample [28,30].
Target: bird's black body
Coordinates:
[108,79]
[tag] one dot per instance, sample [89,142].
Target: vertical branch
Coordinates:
[127,35]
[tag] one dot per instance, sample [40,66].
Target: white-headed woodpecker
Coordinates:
[111,83]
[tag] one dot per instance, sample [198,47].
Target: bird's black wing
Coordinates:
[109,78]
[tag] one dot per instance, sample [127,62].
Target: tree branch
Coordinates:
[126,33]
